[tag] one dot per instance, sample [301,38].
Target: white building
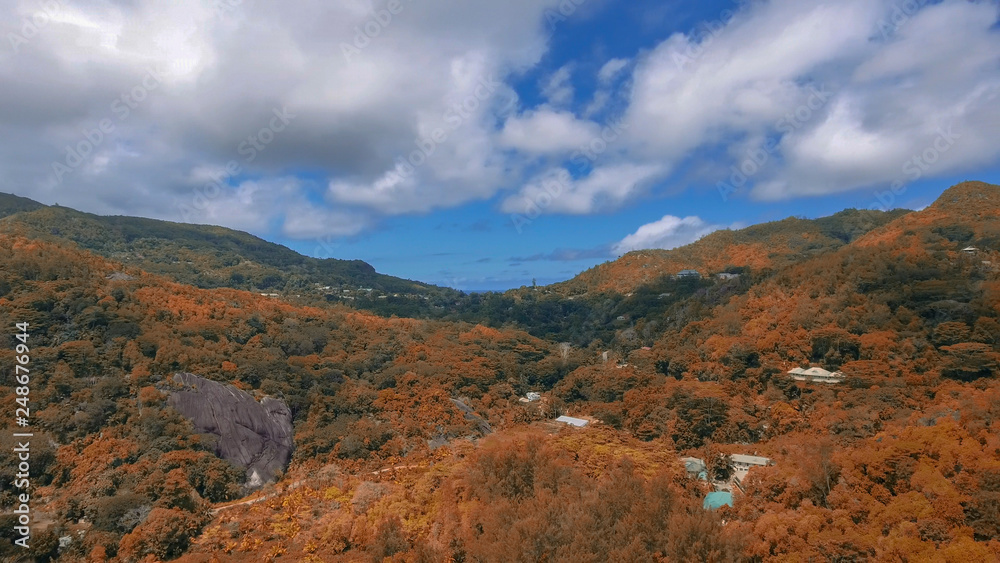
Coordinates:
[578,422]
[816,375]
[743,463]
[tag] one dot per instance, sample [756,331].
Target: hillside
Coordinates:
[412,441]
[110,452]
[966,214]
[11,204]
[767,246]
[209,257]
[638,291]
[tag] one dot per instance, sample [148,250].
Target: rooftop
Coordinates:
[750,459]
[815,373]
[578,422]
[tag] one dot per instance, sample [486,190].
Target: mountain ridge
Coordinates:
[758,247]
[204,256]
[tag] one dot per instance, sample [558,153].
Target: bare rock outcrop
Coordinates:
[257,436]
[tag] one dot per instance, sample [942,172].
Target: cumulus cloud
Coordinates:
[558,88]
[921,93]
[547,131]
[606,188]
[611,70]
[201,85]
[669,232]
[416,111]
[892,78]
[608,89]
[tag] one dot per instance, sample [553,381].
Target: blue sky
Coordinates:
[551,136]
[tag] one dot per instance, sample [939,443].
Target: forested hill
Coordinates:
[636,297]
[204,256]
[11,204]
[765,246]
[900,460]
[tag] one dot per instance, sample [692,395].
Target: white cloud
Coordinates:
[894,82]
[607,89]
[669,232]
[611,70]
[605,189]
[547,131]
[922,93]
[220,74]
[443,67]
[558,88]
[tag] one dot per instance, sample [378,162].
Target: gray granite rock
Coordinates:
[252,435]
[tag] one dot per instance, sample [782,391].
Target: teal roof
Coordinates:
[717,499]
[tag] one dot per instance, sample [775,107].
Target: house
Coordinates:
[532,396]
[695,468]
[688,274]
[727,276]
[816,375]
[743,463]
[578,422]
[970,250]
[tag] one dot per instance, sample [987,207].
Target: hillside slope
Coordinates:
[760,247]
[201,255]
[111,454]
[927,284]
[899,462]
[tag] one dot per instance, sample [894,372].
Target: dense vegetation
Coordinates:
[901,462]
[767,246]
[204,256]
[214,257]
